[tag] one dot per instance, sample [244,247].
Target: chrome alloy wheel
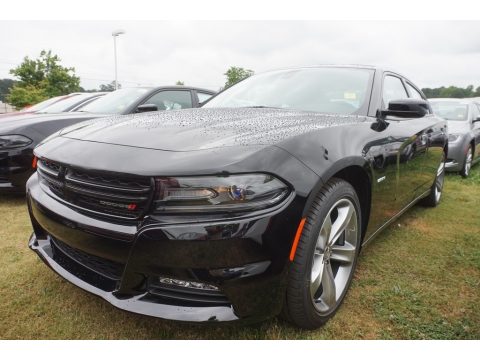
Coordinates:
[334,255]
[468,161]
[439,181]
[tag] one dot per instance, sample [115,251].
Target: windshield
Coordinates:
[43,104]
[116,102]
[328,90]
[67,104]
[450,110]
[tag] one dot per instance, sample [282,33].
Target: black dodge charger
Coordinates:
[254,205]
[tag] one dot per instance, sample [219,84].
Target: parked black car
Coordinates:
[463,117]
[257,202]
[20,134]
[57,104]
[72,103]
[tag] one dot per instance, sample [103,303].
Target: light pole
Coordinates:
[115,34]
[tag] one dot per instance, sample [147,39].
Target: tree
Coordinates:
[21,96]
[179,82]
[451,92]
[109,87]
[477,91]
[235,74]
[5,85]
[44,77]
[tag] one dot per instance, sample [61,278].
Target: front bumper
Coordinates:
[141,303]
[456,156]
[246,259]
[15,169]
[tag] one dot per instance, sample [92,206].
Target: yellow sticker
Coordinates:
[349,96]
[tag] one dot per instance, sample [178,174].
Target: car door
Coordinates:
[171,99]
[476,130]
[396,154]
[433,135]
[411,153]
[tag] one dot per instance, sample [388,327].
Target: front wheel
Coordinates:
[467,164]
[326,256]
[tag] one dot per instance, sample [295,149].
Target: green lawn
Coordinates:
[420,279]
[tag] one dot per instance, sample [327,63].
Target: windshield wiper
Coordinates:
[261,107]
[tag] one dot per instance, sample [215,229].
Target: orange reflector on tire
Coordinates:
[297,239]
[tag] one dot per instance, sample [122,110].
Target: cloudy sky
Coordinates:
[431,53]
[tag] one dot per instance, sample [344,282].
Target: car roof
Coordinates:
[467,100]
[348,66]
[353,66]
[179,87]
[96,93]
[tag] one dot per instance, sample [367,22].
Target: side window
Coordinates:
[171,100]
[202,97]
[414,94]
[393,89]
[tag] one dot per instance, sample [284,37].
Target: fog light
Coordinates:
[187,284]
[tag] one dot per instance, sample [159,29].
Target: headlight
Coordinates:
[217,193]
[13,141]
[453,137]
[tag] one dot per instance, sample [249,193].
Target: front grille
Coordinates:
[122,197]
[3,170]
[183,296]
[50,176]
[104,267]
[101,273]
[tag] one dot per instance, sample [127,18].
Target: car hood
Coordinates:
[14,124]
[458,127]
[200,129]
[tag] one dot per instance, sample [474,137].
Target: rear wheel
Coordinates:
[467,164]
[326,256]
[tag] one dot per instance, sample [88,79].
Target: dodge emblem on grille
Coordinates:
[119,206]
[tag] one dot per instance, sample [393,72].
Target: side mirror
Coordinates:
[406,108]
[146,108]
[380,125]
[476,120]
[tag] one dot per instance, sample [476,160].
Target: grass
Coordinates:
[420,279]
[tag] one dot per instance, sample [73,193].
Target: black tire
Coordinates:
[467,163]
[299,307]
[433,198]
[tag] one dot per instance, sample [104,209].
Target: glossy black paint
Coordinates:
[391,162]
[16,164]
